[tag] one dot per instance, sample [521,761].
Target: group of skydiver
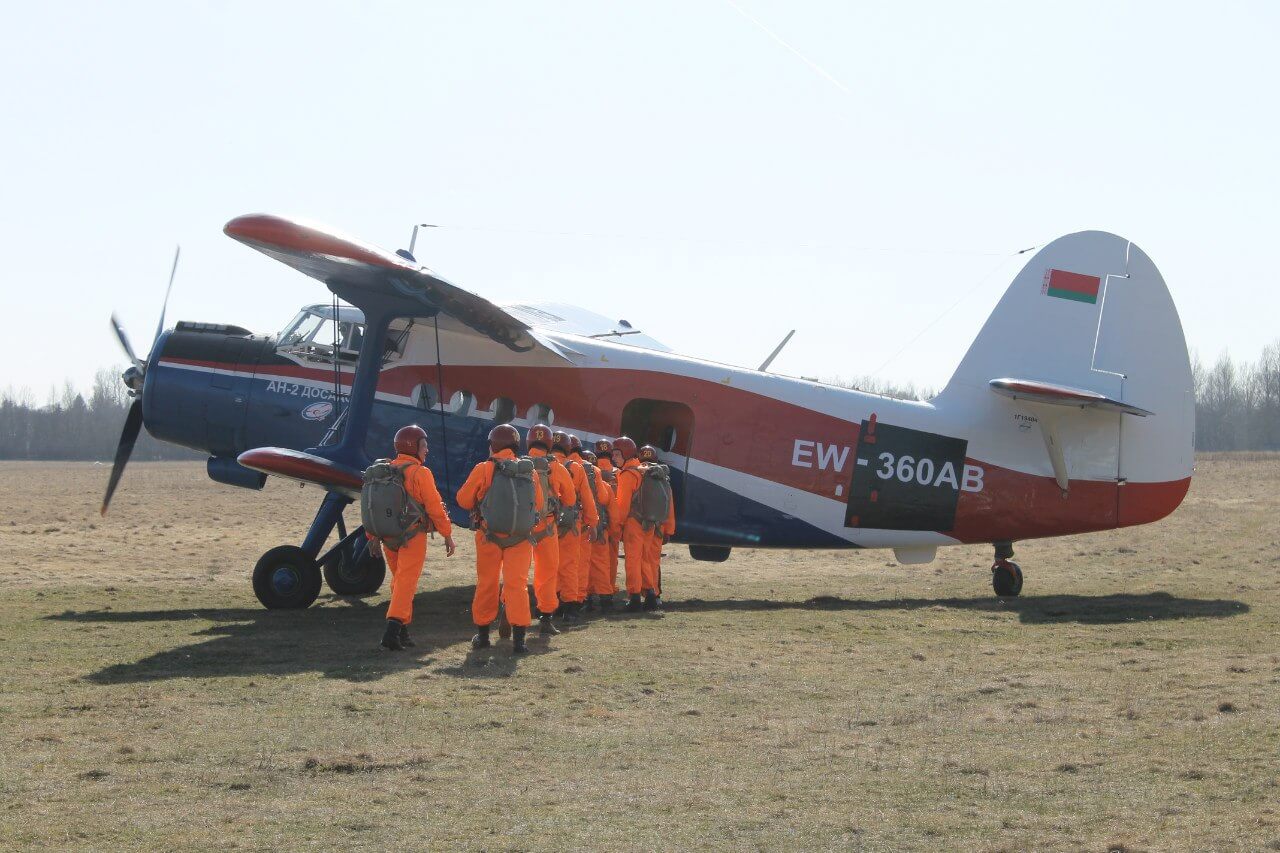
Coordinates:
[561,508]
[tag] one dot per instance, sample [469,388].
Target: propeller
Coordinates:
[134,378]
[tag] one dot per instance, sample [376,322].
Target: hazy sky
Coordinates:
[672,163]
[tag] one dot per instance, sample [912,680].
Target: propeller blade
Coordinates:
[128,436]
[124,340]
[164,305]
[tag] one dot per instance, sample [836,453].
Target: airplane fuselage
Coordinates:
[758,460]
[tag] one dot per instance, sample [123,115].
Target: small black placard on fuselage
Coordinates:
[905,479]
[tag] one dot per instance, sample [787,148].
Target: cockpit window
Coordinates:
[310,335]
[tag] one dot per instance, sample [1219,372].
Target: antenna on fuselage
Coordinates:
[413,239]
[768,361]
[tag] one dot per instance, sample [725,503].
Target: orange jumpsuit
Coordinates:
[602,496]
[606,465]
[546,551]
[653,549]
[571,561]
[405,564]
[627,529]
[511,564]
[601,574]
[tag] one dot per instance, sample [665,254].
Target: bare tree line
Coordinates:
[73,425]
[1238,404]
[1237,408]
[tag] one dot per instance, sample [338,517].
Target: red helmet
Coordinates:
[407,439]
[604,447]
[560,440]
[504,437]
[648,453]
[625,446]
[575,443]
[589,456]
[540,434]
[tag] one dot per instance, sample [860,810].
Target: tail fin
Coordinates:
[1088,313]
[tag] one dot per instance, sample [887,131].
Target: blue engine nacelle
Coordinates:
[197,388]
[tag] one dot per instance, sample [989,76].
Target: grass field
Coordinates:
[1128,700]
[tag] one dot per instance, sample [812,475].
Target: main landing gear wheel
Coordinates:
[361,575]
[1006,578]
[285,578]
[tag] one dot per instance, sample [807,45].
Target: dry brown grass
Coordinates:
[1127,701]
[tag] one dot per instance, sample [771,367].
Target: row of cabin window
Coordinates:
[463,403]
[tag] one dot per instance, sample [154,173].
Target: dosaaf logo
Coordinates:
[318,411]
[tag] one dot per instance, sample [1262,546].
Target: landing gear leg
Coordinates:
[288,577]
[1006,575]
[350,567]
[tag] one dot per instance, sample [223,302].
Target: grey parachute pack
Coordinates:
[550,502]
[510,506]
[652,499]
[387,510]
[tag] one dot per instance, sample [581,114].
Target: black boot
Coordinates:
[405,639]
[606,603]
[481,639]
[650,600]
[517,640]
[545,628]
[633,603]
[568,612]
[590,605]
[391,637]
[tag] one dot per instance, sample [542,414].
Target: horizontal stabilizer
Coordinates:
[304,468]
[1061,395]
[336,259]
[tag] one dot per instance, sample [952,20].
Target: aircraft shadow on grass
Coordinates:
[341,642]
[1116,608]
[338,642]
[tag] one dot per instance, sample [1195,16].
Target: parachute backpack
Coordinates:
[387,510]
[509,508]
[567,518]
[550,503]
[652,500]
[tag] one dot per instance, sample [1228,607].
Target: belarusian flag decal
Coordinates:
[1071,285]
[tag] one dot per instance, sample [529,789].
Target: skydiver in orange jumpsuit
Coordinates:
[604,461]
[571,561]
[405,563]
[625,528]
[659,536]
[545,537]
[599,581]
[493,561]
[600,496]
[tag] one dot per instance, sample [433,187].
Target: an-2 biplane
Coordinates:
[1071,412]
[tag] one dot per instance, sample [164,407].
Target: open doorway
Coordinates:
[667,426]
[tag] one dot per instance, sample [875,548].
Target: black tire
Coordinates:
[709,553]
[1006,579]
[285,578]
[361,576]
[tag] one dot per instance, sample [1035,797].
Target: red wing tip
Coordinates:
[296,238]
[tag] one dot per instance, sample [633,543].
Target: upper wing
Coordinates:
[336,259]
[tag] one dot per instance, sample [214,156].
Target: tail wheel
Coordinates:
[359,574]
[286,578]
[1006,578]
